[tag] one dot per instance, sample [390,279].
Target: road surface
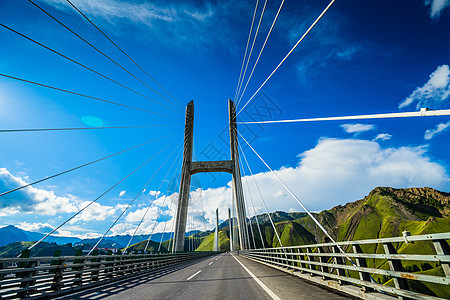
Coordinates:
[221,276]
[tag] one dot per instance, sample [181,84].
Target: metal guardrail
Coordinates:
[348,264]
[50,276]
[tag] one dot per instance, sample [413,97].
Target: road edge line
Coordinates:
[265,288]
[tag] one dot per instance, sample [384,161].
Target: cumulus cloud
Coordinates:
[136,216]
[432,94]
[35,227]
[334,172]
[383,137]
[436,7]
[122,193]
[154,193]
[357,128]
[97,212]
[430,133]
[31,199]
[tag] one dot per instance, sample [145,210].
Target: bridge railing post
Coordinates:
[277,256]
[361,262]
[78,265]
[310,259]
[28,279]
[442,248]
[323,260]
[109,264]
[95,266]
[2,275]
[338,260]
[395,265]
[301,258]
[60,266]
[291,257]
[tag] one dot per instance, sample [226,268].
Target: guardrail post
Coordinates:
[109,263]
[291,257]
[28,275]
[323,260]
[361,262]
[60,266]
[442,248]
[278,259]
[2,275]
[78,280]
[301,258]
[120,263]
[310,258]
[95,266]
[339,261]
[396,265]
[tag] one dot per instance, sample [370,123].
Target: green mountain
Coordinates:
[152,247]
[385,212]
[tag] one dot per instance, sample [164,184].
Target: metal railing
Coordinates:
[376,266]
[51,276]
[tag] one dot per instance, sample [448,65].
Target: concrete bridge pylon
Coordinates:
[190,168]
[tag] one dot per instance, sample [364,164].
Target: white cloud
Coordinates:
[137,215]
[436,7]
[383,137]
[31,199]
[433,93]
[154,193]
[336,172]
[68,232]
[97,212]
[430,133]
[122,193]
[357,128]
[35,227]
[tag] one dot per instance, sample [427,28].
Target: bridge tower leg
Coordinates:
[190,168]
[216,233]
[230,226]
[244,239]
[185,184]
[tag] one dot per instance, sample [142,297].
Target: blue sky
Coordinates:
[363,57]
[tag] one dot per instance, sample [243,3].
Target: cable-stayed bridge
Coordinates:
[331,268]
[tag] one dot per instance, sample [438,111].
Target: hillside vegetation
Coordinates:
[385,212]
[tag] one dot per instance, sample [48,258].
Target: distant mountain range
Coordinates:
[11,234]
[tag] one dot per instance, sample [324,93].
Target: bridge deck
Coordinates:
[216,277]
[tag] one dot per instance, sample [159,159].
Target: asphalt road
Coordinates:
[215,277]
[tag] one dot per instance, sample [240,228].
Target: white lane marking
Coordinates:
[210,263]
[265,288]
[189,278]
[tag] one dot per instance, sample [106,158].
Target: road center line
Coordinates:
[210,263]
[189,278]
[265,288]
